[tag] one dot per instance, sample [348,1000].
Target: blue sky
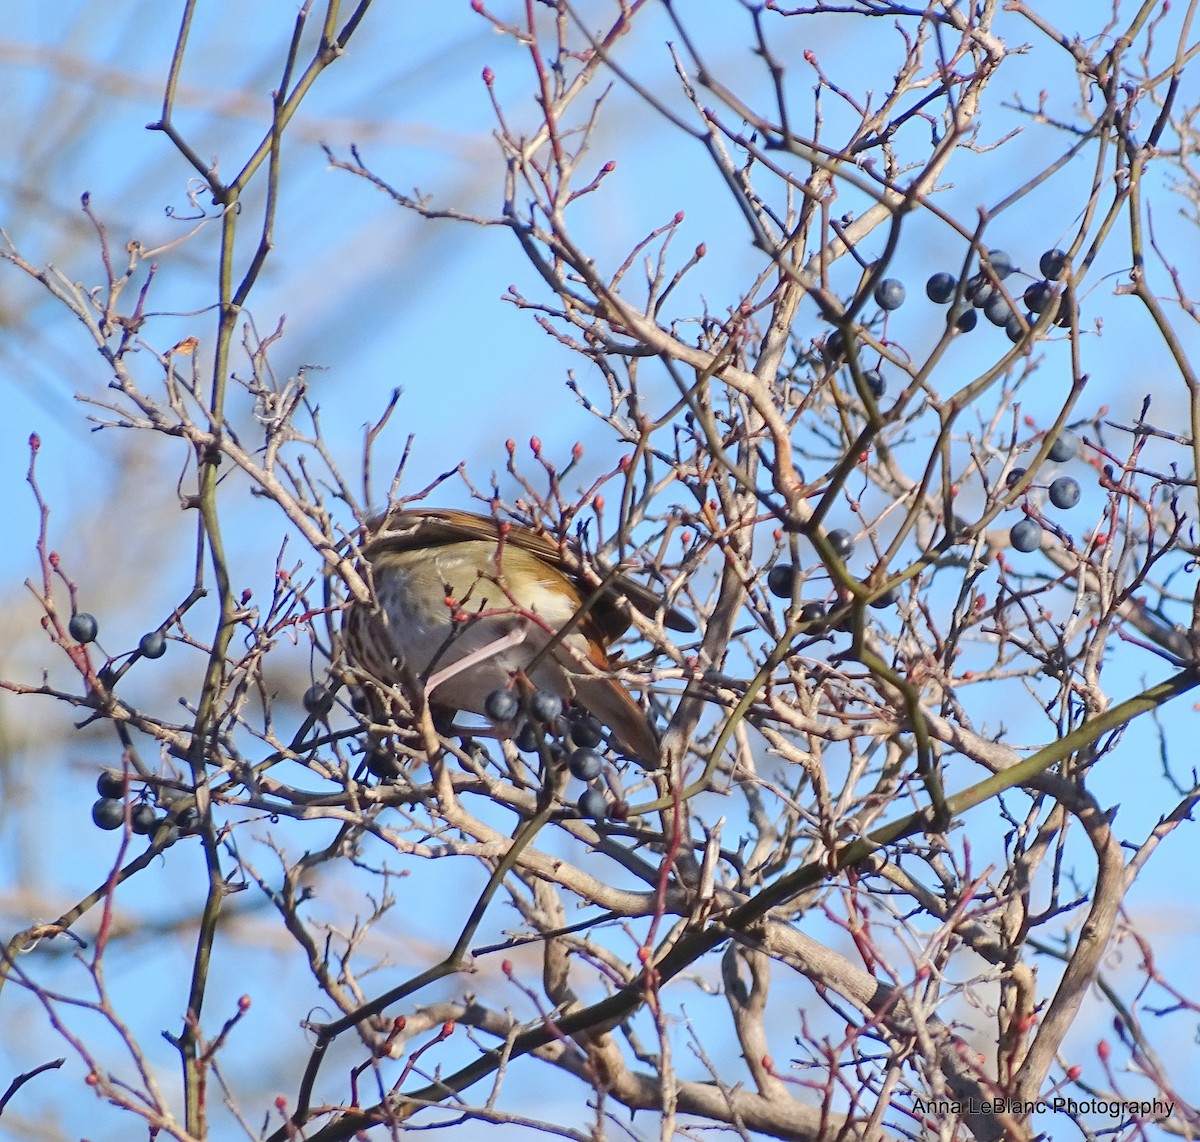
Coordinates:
[374,299]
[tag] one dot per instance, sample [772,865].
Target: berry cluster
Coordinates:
[572,734]
[781,580]
[1064,493]
[84,628]
[108,812]
[982,291]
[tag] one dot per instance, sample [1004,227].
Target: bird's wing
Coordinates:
[401,529]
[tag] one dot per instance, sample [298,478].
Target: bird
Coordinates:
[468,604]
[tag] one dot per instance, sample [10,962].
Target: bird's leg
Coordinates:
[513,638]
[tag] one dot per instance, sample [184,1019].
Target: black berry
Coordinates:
[188,820]
[586,730]
[383,765]
[997,310]
[501,705]
[1001,263]
[1053,264]
[1038,296]
[142,819]
[890,293]
[1014,477]
[1064,492]
[110,784]
[842,544]
[1064,447]
[780,579]
[526,739]
[1025,535]
[965,319]
[153,645]
[593,804]
[545,706]
[887,599]
[83,627]
[317,700]
[875,382]
[108,813]
[585,764]
[940,287]
[811,612]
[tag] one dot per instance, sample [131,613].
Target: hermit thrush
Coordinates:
[469,605]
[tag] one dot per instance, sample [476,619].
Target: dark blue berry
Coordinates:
[890,293]
[780,579]
[1014,477]
[526,739]
[1014,329]
[317,700]
[875,382]
[1064,447]
[1001,263]
[1025,535]
[984,295]
[586,731]
[811,612]
[83,627]
[153,645]
[501,705]
[110,784]
[964,318]
[1038,296]
[940,288]
[887,599]
[1064,492]
[997,310]
[1053,264]
[585,764]
[545,706]
[842,544]
[108,813]
[593,804]
[142,819]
